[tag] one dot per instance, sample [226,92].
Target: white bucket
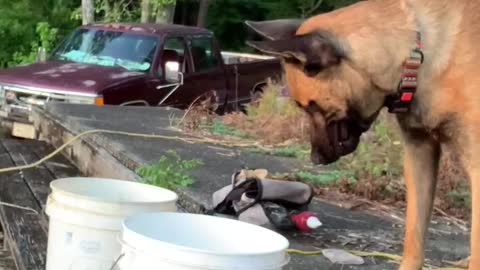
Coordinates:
[179,241]
[86,216]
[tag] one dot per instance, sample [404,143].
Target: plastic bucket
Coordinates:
[179,241]
[86,216]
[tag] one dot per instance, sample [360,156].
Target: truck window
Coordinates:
[109,48]
[174,50]
[203,54]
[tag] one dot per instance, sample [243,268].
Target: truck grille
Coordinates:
[18,101]
[22,96]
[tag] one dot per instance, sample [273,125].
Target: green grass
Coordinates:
[299,151]
[169,172]
[272,104]
[325,178]
[220,128]
[460,197]
[378,154]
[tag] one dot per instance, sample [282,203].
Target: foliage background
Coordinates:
[25,25]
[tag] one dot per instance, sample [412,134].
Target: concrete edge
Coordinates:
[94,157]
[90,158]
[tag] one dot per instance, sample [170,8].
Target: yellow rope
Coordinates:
[131,134]
[389,256]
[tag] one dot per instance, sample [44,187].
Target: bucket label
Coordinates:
[68,238]
[90,247]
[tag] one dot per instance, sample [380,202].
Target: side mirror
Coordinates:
[172,72]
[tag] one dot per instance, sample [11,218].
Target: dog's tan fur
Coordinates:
[378,36]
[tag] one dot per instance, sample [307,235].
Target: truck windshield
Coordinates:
[133,52]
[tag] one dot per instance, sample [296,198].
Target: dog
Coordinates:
[419,59]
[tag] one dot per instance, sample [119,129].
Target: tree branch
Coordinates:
[315,7]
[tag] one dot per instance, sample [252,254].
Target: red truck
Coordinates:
[133,64]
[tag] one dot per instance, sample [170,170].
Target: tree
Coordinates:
[145,18]
[228,16]
[165,11]
[88,11]
[308,7]
[202,13]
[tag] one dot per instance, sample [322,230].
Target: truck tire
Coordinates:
[256,96]
[258,92]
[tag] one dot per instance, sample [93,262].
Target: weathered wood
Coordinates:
[58,165]
[23,229]
[6,260]
[37,179]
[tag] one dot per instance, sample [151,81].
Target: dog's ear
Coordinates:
[314,52]
[276,29]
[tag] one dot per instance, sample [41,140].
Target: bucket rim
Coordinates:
[285,261]
[285,242]
[172,195]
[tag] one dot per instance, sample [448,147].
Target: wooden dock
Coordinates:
[25,229]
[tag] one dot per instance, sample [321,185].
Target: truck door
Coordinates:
[201,65]
[208,70]
[174,49]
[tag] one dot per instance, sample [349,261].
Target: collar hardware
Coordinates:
[401,101]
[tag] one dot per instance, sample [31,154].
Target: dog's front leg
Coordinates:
[421,159]
[471,163]
[475,234]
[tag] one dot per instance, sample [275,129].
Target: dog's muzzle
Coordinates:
[338,139]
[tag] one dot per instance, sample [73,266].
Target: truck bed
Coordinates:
[237,58]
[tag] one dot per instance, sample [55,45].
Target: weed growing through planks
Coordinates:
[170,171]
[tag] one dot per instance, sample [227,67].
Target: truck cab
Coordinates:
[133,64]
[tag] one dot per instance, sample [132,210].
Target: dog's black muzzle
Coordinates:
[337,139]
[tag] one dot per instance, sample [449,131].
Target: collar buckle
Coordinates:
[400,102]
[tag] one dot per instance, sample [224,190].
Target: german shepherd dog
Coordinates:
[420,59]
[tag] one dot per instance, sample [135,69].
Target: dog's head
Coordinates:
[325,82]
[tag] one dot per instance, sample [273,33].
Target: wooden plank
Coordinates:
[6,260]
[23,229]
[37,179]
[59,166]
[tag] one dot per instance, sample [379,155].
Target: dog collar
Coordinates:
[401,101]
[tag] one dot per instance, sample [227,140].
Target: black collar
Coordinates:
[401,101]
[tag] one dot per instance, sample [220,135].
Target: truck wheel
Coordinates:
[256,96]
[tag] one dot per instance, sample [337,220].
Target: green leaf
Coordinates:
[169,172]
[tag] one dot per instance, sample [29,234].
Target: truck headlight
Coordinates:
[10,96]
[98,100]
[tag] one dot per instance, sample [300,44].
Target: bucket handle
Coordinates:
[117,261]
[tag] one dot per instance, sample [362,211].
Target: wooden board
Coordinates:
[59,166]
[23,130]
[37,179]
[23,229]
